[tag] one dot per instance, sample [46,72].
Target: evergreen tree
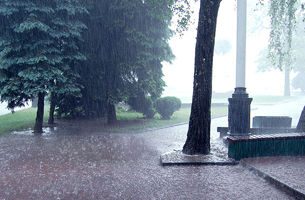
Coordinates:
[126,43]
[39,51]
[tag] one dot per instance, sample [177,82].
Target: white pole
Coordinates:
[241,43]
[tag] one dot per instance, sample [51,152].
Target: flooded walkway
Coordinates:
[117,166]
[80,163]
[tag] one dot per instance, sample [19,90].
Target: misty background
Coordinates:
[179,75]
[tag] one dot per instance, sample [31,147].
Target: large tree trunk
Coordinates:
[301,124]
[111,115]
[198,136]
[39,116]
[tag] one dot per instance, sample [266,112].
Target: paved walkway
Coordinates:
[83,162]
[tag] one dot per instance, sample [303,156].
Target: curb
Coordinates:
[177,158]
[297,193]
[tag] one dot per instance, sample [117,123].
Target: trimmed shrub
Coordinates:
[166,106]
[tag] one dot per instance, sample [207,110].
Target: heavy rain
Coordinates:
[151,99]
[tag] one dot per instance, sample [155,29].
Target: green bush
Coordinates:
[142,104]
[166,106]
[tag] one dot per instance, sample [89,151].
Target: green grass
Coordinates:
[19,120]
[136,121]
[24,119]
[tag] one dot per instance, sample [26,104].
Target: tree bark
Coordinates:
[39,116]
[198,136]
[287,82]
[111,114]
[301,123]
[52,108]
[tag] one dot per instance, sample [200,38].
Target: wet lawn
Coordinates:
[139,123]
[128,121]
[22,119]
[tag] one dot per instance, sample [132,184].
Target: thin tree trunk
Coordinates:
[111,114]
[39,116]
[52,108]
[287,82]
[301,123]
[198,136]
[288,64]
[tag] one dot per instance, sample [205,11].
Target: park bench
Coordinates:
[265,125]
[288,144]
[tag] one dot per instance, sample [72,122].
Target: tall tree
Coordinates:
[39,51]
[282,15]
[198,136]
[126,43]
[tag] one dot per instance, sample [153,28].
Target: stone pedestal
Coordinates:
[239,112]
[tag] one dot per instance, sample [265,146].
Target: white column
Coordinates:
[241,43]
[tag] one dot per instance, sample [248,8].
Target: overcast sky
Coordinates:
[179,75]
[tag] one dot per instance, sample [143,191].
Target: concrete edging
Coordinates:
[297,193]
[178,158]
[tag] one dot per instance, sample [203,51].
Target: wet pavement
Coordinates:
[117,166]
[287,173]
[78,162]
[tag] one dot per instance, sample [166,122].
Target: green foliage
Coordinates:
[283,22]
[39,49]
[19,120]
[165,9]
[142,104]
[166,106]
[131,120]
[69,107]
[126,43]
[283,52]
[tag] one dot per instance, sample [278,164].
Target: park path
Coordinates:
[116,166]
[83,162]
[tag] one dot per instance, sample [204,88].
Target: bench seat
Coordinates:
[284,144]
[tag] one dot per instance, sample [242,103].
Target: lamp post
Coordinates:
[239,104]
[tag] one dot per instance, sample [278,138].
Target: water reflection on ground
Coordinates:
[79,163]
[84,162]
